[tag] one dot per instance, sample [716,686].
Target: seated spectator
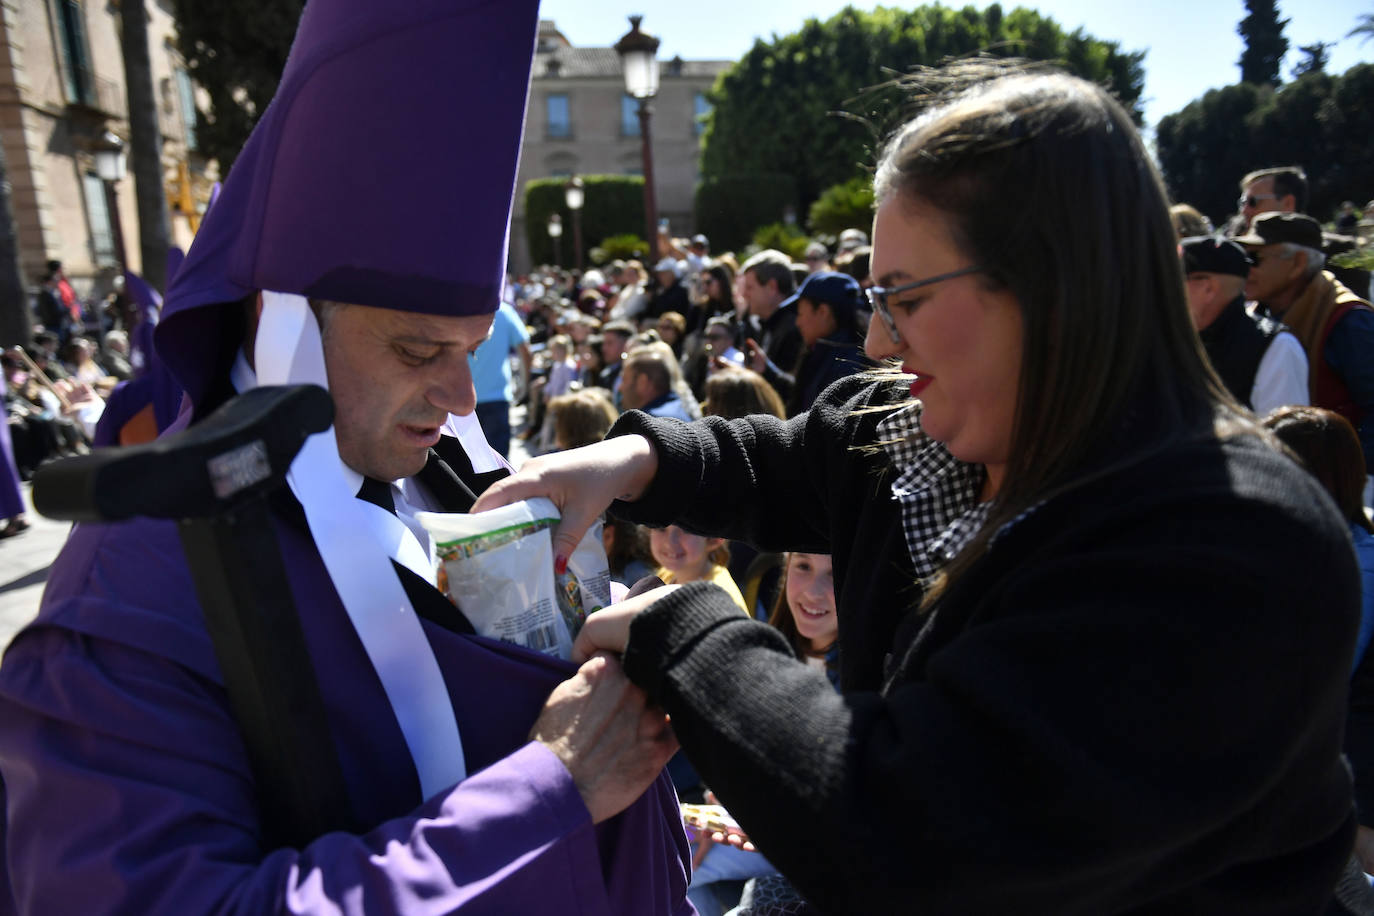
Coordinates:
[589,361]
[1259,359]
[805,613]
[1327,446]
[632,298]
[669,295]
[739,392]
[627,550]
[721,339]
[852,240]
[82,364]
[817,258]
[672,328]
[856,264]
[562,367]
[828,319]
[685,557]
[115,356]
[1189,221]
[649,381]
[581,417]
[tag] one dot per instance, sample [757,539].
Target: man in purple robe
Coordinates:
[359,243]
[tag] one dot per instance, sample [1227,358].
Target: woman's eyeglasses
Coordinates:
[879,296]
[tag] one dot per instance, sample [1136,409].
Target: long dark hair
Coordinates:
[1044,181]
[1329,448]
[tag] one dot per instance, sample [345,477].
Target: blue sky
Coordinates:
[1191,45]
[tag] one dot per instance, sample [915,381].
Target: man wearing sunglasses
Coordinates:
[1261,362]
[1284,190]
[1335,326]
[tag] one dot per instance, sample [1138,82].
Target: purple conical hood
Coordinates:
[381,174]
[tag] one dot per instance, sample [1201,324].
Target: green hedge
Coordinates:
[730,208]
[612,205]
[843,206]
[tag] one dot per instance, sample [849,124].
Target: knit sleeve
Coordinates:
[759,479]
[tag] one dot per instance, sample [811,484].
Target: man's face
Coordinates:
[1272,274]
[758,297]
[1259,197]
[395,377]
[631,390]
[612,347]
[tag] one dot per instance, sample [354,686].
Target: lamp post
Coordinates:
[555,233]
[637,58]
[574,196]
[111,165]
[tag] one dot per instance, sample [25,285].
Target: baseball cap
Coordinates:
[1210,255]
[1277,228]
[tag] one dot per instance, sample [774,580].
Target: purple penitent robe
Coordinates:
[129,787]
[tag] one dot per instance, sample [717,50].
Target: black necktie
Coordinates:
[377,493]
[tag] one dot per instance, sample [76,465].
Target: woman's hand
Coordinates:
[582,482]
[608,630]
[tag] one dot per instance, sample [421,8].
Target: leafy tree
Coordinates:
[1204,149]
[1364,27]
[843,206]
[1319,121]
[235,50]
[797,104]
[1265,45]
[784,237]
[624,246]
[1314,59]
[612,205]
[731,207]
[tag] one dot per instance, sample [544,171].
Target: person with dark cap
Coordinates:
[1261,362]
[827,316]
[1335,326]
[468,784]
[1284,189]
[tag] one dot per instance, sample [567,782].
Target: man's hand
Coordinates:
[754,357]
[604,731]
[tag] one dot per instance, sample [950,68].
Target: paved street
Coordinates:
[25,558]
[24,562]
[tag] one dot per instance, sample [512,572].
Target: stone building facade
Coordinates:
[61,87]
[581,122]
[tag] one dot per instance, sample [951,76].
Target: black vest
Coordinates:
[1235,343]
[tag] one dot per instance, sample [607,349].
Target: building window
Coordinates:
[98,218]
[186,92]
[76,53]
[559,123]
[629,116]
[700,109]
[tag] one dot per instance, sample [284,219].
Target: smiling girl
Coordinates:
[686,557]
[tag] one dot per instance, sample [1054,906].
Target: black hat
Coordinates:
[1210,255]
[1277,228]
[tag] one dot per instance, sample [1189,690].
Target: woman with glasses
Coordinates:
[1094,627]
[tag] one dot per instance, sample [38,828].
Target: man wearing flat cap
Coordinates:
[350,249]
[1261,362]
[1335,326]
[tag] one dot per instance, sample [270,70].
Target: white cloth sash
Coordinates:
[357,541]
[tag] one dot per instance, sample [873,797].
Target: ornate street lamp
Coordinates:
[639,62]
[574,197]
[555,233]
[111,164]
